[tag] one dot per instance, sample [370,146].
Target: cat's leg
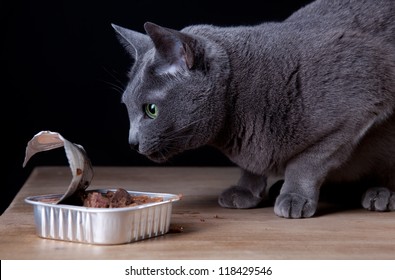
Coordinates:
[381,194]
[248,193]
[306,172]
[380,198]
[304,176]
[300,192]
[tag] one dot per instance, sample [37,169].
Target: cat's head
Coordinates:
[175,96]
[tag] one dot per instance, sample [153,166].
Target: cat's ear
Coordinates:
[173,46]
[134,42]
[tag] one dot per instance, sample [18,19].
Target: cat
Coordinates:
[309,100]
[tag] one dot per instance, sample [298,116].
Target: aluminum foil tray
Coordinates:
[102,225]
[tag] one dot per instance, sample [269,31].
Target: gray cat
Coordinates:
[310,100]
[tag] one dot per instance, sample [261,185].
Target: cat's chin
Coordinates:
[158,157]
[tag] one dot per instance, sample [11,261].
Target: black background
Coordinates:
[63,70]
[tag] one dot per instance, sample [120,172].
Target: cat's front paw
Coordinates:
[292,205]
[379,199]
[238,197]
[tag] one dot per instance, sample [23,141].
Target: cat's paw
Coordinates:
[292,205]
[238,197]
[379,199]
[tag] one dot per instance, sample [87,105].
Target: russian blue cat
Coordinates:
[310,100]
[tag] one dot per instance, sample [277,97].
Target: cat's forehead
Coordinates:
[152,77]
[141,95]
[144,81]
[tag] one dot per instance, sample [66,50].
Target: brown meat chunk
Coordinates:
[97,200]
[119,198]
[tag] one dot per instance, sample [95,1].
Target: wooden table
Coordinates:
[210,232]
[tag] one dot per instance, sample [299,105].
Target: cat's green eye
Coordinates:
[151,110]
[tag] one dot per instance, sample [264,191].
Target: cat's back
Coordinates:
[370,17]
[316,21]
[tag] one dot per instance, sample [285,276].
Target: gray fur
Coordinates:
[310,99]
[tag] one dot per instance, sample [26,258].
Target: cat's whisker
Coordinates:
[119,86]
[115,87]
[175,138]
[189,125]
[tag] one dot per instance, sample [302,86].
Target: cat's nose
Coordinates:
[133,137]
